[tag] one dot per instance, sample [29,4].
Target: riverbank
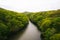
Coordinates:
[30,33]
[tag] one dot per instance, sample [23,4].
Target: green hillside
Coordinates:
[11,22]
[48,22]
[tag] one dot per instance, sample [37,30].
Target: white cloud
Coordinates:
[30,5]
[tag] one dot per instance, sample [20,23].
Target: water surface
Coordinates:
[31,33]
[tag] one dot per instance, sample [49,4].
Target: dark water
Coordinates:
[31,33]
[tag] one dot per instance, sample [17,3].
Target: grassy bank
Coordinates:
[48,22]
[11,22]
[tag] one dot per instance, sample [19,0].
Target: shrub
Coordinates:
[56,23]
[44,24]
[49,32]
[55,37]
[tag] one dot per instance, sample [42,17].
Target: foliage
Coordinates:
[48,22]
[11,22]
[49,32]
[55,37]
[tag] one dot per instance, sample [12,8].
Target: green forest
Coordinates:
[48,22]
[11,22]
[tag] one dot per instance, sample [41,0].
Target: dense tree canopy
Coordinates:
[48,22]
[11,22]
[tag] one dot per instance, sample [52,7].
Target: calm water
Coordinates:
[31,33]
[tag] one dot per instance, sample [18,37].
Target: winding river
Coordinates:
[30,33]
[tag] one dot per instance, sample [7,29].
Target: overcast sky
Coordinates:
[30,5]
